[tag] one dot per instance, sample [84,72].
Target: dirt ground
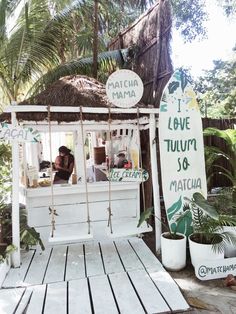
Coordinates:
[206,297]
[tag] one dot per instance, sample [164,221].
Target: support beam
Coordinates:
[155,183]
[15,198]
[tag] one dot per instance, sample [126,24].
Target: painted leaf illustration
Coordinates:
[174,208]
[185,225]
[184,81]
[173,86]
[145,215]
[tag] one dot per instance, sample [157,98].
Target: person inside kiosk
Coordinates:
[63,165]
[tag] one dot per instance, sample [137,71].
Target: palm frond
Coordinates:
[81,66]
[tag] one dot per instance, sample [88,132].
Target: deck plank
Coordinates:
[75,268]
[24,301]
[128,256]
[56,298]
[93,260]
[112,262]
[56,267]
[37,300]
[146,256]
[79,300]
[102,297]
[125,295]
[169,290]
[148,292]
[9,300]
[15,276]
[37,267]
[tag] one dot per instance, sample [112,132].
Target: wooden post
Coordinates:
[15,198]
[155,183]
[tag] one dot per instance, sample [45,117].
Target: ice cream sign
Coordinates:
[128,175]
[124,88]
[9,133]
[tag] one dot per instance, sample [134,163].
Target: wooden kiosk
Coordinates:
[90,208]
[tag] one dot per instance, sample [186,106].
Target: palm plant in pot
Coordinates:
[226,200]
[208,239]
[173,243]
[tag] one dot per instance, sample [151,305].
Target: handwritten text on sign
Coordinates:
[9,132]
[124,88]
[181,149]
[128,175]
[215,269]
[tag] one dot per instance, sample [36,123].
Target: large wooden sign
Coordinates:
[9,133]
[127,175]
[181,149]
[214,269]
[124,88]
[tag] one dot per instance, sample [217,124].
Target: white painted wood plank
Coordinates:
[93,260]
[151,298]
[9,299]
[169,290]
[128,256]
[102,297]
[37,300]
[16,276]
[56,298]
[75,262]
[24,301]
[37,267]
[56,266]
[149,260]
[125,295]
[79,300]
[111,258]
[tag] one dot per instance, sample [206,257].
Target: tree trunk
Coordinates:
[95,40]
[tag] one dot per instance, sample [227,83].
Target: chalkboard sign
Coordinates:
[181,149]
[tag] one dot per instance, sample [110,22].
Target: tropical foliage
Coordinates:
[217,90]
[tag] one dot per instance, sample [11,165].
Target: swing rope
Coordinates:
[52,210]
[85,172]
[141,160]
[109,224]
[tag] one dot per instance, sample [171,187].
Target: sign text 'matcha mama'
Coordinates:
[124,88]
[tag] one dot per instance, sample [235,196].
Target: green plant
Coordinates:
[5,253]
[208,224]
[213,154]
[145,216]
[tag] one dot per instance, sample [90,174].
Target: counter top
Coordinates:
[80,188]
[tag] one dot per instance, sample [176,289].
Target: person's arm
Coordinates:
[57,163]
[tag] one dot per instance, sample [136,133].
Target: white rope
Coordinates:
[109,169]
[52,210]
[85,172]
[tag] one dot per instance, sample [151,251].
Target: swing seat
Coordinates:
[71,233]
[126,227]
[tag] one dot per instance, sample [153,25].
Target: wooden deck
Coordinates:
[121,276]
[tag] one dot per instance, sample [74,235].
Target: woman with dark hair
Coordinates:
[64,165]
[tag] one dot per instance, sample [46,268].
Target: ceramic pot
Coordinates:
[202,252]
[230,249]
[173,252]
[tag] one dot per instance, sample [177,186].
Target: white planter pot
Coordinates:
[230,249]
[202,252]
[4,268]
[173,252]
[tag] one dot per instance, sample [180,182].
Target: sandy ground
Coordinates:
[207,297]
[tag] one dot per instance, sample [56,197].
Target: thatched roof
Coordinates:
[73,90]
[151,33]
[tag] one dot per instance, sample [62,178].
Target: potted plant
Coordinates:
[208,239]
[173,243]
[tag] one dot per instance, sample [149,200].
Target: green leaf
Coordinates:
[184,81]
[203,204]
[145,215]
[172,87]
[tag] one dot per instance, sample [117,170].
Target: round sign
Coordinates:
[124,88]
